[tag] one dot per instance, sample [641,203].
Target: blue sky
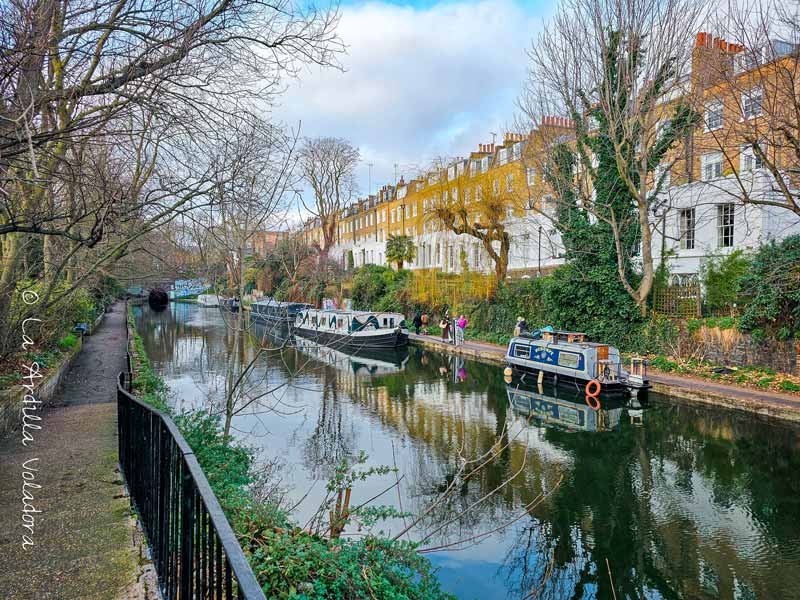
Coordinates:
[422,80]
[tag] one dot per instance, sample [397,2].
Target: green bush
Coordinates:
[379,288]
[772,285]
[721,277]
[68,342]
[790,386]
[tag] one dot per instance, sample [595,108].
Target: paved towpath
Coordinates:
[765,402]
[83,536]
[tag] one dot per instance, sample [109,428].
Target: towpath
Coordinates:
[84,542]
[774,404]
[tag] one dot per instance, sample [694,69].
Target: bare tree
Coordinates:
[328,167]
[753,84]
[613,67]
[105,109]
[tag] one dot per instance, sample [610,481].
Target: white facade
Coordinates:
[706,219]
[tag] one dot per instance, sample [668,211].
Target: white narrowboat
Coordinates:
[352,329]
[209,300]
[566,356]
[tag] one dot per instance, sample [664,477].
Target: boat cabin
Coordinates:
[347,321]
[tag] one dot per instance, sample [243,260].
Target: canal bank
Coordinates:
[85,544]
[765,403]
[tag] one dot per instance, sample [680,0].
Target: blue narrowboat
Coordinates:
[567,356]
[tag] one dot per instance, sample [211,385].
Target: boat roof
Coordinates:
[358,313]
[529,340]
[279,303]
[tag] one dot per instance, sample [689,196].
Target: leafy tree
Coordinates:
[773,287]
[379,288]
[400,249]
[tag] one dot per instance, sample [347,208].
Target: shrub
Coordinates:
[379,288]
[68,342]
[790,386]
[772,285]
[721,280]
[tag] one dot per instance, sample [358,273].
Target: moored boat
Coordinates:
[209,300]
[230,304]
[352,329]
[567,356]
[273,312]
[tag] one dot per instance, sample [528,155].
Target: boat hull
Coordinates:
[380,339]
[529,374]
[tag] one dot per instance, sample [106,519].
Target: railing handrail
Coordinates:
[249,589]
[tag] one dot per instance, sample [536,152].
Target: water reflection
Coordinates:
[664,500]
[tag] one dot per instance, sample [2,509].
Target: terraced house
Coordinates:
[731,184]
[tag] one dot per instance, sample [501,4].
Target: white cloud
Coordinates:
[419,82]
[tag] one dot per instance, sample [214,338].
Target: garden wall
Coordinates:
[11,399]
[734,348]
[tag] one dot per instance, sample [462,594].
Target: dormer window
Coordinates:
[749,159]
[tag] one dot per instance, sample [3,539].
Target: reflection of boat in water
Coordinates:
[363,362]
[354,329]
[554,406]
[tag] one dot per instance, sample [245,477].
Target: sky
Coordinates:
[421,80]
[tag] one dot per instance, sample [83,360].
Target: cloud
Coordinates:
[419,83]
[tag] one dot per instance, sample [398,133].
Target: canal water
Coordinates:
[527,493]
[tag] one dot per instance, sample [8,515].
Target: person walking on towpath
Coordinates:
[417,322]
[425,319]
[461,325]
[445,325]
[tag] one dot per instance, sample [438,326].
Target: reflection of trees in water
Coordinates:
[695,504]
[332,440]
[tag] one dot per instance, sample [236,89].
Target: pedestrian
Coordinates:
[521,327]
[417,322]
[445,325]
[424,323]
[461,325]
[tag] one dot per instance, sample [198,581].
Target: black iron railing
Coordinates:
[194,549]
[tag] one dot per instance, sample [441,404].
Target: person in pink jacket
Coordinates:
[461,325]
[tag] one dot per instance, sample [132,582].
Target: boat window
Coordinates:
[568,359]
[313,320]
[341,323]
[522,351]
[384,321]
[391,322]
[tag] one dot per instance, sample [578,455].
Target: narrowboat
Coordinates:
[567,356]
[230,304]
[209,300]
[352,329]
[273,312]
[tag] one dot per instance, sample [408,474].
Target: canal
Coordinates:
[665,499]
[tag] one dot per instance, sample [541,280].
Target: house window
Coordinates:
[713,116]
[466,196]
[751,102]
[473,167]
[711,165]
[484,164]
[749,159]
[502,156]
[530,175]
[510,182]
[496,186]
[686,224]
[725,225]
[454,194]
